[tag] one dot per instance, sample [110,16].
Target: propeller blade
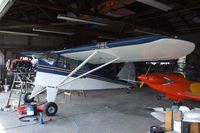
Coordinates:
[141,84]
[148,70]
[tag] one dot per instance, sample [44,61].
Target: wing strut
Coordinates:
[82,75]
[77,68]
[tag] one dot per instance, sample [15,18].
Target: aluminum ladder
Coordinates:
[19,86]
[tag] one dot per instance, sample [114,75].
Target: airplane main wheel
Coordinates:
[27,98]
[50,109]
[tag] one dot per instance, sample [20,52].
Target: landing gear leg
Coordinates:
[50,109]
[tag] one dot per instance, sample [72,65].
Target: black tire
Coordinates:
[27,99]
[156,129]
[158,97]
[50,109]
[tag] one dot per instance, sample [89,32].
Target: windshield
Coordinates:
[50,58]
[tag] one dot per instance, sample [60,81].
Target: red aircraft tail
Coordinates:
[195,91]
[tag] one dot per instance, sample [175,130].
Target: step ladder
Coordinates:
[19,86]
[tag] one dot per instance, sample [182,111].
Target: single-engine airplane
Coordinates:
[174,85]
[80,68]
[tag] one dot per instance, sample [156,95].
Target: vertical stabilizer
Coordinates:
[127,72]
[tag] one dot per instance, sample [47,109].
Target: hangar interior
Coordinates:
[50,25]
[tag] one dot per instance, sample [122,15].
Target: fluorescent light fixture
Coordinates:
[50,31]
[18,33]
[4,6]
[156,4]
[63,17]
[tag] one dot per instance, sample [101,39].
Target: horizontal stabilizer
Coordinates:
[191,95]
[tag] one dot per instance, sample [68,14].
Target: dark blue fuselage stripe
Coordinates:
[65,72]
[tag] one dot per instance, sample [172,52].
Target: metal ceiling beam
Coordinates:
[37,4]
[110,5]
[156,4]
[61,9]
[8,23]
[145,17]
[16,47]
[18,25]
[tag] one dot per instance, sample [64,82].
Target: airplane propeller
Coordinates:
[142,83]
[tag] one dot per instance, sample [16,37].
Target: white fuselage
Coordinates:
[49,79]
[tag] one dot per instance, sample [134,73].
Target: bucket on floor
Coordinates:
[15,103]
[6,87]
[31,109]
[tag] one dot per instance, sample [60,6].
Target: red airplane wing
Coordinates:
[191,95]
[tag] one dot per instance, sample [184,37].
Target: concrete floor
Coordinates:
[105,111]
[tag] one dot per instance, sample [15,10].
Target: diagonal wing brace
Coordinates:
[77,68]
[84,74]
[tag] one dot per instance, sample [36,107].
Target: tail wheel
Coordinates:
[159,96]
[50,109]
[27,98]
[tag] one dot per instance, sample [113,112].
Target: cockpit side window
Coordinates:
[62,62]
[67,63]
[50,59]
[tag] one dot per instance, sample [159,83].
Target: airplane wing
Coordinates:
[146,48]
[35,54]
[191,95]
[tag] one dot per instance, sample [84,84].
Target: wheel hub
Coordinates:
[51,110]
[28,97]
